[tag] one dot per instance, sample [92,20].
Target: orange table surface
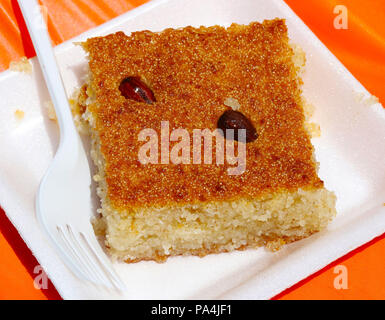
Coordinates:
[361,48]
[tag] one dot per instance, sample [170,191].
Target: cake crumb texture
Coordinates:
[200,229]
[50,110]
[23,65]
[19,114]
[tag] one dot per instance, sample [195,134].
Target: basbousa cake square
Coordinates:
[189,79]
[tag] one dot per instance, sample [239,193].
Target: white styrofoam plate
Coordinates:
[351,151]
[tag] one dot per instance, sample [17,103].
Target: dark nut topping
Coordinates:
[231,119]
[135,89]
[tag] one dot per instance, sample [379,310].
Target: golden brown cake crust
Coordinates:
[192,72]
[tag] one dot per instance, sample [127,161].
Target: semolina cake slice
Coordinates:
[201,78]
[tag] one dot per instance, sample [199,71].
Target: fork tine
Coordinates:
[103,262]
[96,273]
[90,258]
[69,250]
[66,250]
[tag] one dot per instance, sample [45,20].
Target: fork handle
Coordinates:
[39,34]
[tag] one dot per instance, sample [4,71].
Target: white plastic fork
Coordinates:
[63,203]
